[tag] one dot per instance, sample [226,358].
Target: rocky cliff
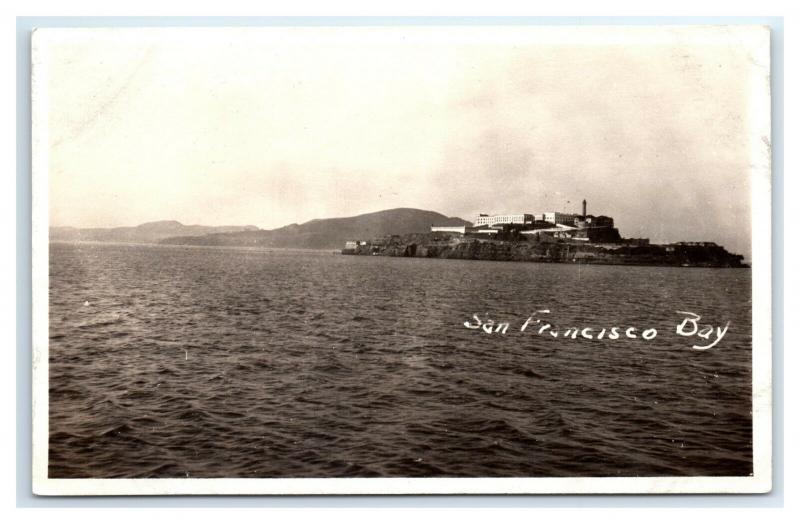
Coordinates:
[459,247]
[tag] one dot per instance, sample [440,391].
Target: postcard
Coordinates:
[401,260]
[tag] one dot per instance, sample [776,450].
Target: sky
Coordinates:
[660,128]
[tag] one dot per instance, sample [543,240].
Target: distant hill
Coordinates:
[148,232]
[329,233]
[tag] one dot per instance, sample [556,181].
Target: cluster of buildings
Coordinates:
[581,227]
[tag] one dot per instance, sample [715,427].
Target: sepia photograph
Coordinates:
[400,259]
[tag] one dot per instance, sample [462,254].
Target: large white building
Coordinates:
[491,220]
[564,219]
[555,223]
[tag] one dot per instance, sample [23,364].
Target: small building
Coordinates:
[351,247]
[449,229]
[594,221]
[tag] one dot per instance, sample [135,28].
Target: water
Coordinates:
[202,362]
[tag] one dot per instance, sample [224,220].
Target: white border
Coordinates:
[756,38]
[40,247]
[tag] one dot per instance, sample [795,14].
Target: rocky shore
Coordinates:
[432,245]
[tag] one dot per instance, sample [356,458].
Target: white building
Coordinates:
[449,229]
[564,219]
[491,220]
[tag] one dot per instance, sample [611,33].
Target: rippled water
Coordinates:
[202,362]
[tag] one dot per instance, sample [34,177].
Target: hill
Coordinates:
[329,233]
[148,232]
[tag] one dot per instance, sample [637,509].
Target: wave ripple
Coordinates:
[194,362]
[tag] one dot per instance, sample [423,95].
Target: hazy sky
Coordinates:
[654,127]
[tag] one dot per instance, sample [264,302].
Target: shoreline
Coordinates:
[681,254]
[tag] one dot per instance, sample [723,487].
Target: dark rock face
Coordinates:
[603,234]
[459,247]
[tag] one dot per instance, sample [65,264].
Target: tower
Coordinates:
[584,209]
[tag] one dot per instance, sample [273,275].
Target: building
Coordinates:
[564,219]
[449,229]
[575,226]
[594,221]
[553,230]
[491,220]
[351,247]
[355,244]
[554,217]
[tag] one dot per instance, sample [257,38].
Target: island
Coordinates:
[546,237]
